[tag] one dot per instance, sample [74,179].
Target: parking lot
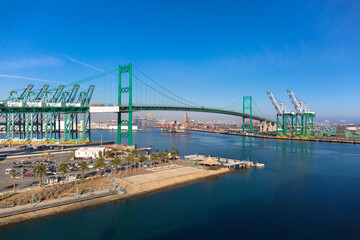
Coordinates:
[25,164]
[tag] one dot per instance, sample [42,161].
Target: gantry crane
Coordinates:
[47,109]
[287,121]
[304,113]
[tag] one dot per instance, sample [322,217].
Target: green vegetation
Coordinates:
[40,170]
[175,152]
[63,168]
[13,175]
[83,167]
[115,163]
[216,167]
[100,164]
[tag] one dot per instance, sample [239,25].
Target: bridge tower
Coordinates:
[123,91]
[247,105]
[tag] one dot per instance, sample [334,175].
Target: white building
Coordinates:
[123,128]
[71,177]
[90,152]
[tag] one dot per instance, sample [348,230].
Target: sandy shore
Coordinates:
[131,189]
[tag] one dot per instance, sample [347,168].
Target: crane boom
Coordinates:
[41,93]
[273,101]
[294,101]
[25,92]
[89,94]
[12,95]
[57,94]
[73,93]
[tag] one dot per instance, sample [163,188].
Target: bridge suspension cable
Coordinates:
[187,102]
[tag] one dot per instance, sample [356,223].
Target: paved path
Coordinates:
[54,202]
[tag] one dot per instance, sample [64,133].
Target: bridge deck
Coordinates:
[102,109]
[114,109]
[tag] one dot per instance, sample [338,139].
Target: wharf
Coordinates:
[231,163]
[226,162]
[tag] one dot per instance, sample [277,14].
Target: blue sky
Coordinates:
[210,52]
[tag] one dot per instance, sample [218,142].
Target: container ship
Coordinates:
[173,127]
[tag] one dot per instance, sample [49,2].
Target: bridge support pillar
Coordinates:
[247,105]
[122,91]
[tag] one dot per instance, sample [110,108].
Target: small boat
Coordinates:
[256,164]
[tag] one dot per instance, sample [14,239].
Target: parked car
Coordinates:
[28,175]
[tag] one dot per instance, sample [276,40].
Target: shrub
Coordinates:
[216,167]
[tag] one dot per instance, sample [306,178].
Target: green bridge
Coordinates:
[59,114]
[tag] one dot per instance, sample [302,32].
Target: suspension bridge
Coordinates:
[63,113]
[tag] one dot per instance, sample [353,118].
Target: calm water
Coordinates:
[305,191]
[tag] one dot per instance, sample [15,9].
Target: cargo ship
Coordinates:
[173,127]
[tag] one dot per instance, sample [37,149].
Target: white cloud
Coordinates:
[28,78]
[32,62]
[85,64]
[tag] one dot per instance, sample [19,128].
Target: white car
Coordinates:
[91,166]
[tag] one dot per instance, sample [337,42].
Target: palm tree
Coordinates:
[174,153]
[40,170]
[164,156]
[128,160]
[161,157]
[108,154]
[63,168]
[13,175]
[142,158]
[115,163]
[72,154]
[100,164]
[83,166]
[154,158]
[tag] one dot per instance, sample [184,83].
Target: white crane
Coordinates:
[280,108]
[300,107]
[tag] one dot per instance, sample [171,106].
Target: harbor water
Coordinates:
[307,190]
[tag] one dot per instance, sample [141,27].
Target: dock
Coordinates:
[228,163]
[236,164]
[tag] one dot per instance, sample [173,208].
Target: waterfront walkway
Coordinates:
[4,212]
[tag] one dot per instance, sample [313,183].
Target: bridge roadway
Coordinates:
[114,109]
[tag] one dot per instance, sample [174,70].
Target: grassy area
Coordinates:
[54,192]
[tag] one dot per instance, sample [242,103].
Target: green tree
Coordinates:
[72,153]
[115,163]
[108,154]
[63,168]
[142,158]
[174,153]
[162,156]
[13,175]
[100,164]
[100,154]
[83,167]
[40,170]
[154,157]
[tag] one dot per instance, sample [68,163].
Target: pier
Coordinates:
[226,162]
